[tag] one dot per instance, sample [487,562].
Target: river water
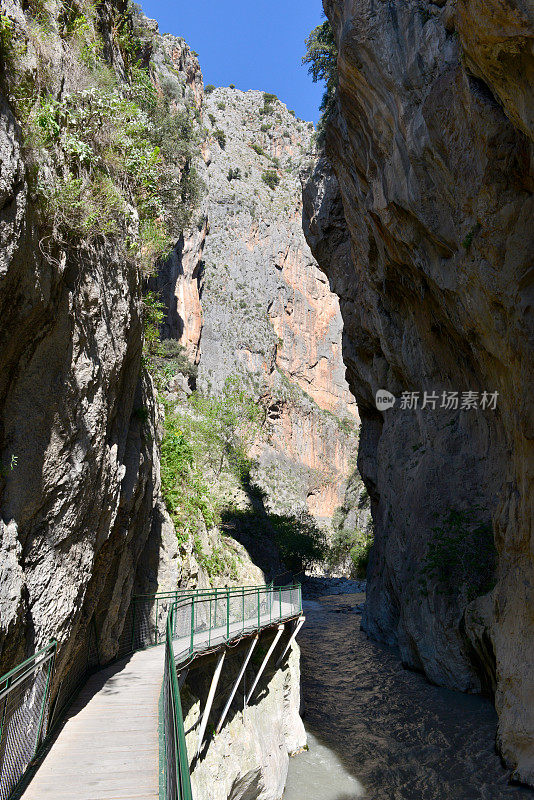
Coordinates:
[380,732]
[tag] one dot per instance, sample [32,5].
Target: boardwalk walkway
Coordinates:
[108,748]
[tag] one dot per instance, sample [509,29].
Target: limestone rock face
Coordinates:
[420,213]
[249,757]
[79,422]
[269,316]
[179,279]
[78,431]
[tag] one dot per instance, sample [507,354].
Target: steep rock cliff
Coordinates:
[421,215]
[79,465]
[83,524]
[178,278]
[268,314]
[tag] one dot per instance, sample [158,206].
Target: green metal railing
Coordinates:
[199,623]
[24,704]
[188,621]
[177,779]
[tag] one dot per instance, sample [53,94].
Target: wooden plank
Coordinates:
[108,747]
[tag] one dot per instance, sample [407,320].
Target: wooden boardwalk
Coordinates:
[108,748]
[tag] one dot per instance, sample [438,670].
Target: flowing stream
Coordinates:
[380,732]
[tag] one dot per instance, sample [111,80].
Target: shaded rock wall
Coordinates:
[79,422]
[79,465]
[421,216]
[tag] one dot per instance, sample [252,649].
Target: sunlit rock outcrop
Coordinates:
[268,313]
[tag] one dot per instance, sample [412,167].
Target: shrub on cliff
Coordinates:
[109,154]
[258,149]
[461,557]
[184,489]
[6,38]
[212,434]
[321,57]
[271,178]
[110,161]
[172,358]
[220,137]
[153,313]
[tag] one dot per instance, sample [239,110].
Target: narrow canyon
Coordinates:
[241,352]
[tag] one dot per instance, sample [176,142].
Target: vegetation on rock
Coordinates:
[113,160]
[321,58]
[271,178]
[220,137]
[352,527]
[461,555]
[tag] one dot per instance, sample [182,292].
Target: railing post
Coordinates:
[192,623]
[157,620]
[243,609]
[227,614]
[45,699]
[133,625]
[4,711]
[258,606]
[209,629]
[280,590]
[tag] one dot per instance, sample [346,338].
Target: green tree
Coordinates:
[321,58]
[300,540]
[153,315]
[352,545]
[232,423]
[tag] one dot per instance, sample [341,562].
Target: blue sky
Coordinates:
[255,45]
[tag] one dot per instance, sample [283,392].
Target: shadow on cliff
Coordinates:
[194,692]
[281,545]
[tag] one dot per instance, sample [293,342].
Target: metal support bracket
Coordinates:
[298,626]
[209,701]
[236,684]
[265,660]
[182,676]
